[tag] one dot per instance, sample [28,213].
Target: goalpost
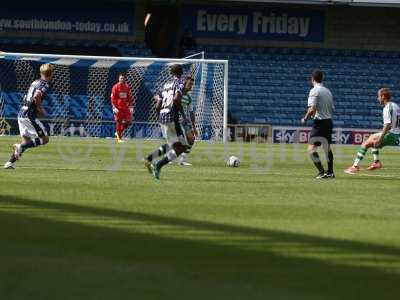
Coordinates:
[79,98]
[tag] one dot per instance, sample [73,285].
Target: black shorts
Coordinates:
[321,131]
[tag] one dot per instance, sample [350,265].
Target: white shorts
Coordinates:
[31,128]
[173,133]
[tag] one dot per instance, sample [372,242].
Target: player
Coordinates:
[122,106]
[168,104]
[320,107]
[31,129]
[189,125]
[390,135]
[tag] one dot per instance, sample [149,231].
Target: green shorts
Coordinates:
[390,139]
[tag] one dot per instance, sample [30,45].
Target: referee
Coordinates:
[320,107]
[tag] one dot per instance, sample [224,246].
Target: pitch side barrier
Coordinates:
[344,136]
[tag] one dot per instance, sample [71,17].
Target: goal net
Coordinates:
[79,99]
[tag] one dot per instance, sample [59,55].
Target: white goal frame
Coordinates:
[61,57]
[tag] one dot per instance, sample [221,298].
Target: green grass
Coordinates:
[82,219]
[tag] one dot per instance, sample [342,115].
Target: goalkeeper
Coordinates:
[122,106]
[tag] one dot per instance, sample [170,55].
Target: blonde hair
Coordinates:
[46,70]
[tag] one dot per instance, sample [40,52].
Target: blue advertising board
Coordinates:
[97,19]
[345,136]
[267,23]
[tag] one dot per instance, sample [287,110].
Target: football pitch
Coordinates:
[83,219]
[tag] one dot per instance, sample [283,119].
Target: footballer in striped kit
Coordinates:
[31,129]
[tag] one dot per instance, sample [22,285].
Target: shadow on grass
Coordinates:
[52,259]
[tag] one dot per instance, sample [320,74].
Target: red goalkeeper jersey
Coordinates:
[121,96]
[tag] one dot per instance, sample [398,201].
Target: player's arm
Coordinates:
[387,125]
[114,100]
[309,114]
[193,120]
[177,101]
[385,130]
[312,106]
[178,97]
[37,98]
[158,100]
[178,105]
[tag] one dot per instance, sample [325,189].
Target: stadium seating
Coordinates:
[59,46]
[270,85]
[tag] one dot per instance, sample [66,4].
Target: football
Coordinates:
[233,161]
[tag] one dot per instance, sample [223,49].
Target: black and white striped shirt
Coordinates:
[28,106]
[169,113]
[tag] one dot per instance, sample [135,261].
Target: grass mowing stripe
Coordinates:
[78,230]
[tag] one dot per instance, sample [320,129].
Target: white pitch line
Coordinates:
[382,176]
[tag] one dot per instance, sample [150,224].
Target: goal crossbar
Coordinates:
[212,93]
[117,58]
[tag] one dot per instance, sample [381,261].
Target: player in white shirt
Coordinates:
[389,136]
[320,108]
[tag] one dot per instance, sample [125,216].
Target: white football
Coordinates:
[233,161]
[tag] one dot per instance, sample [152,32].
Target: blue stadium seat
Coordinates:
[277,88]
